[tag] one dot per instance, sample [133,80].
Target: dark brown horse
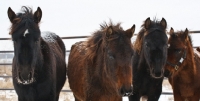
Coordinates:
[39,68]
[150,55]
[183,63]
[100,69]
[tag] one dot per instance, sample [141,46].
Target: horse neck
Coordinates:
[189,61]
[39,55]
[188,69]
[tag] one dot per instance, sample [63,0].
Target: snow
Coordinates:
[49,36]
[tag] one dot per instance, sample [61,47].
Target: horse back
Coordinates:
[77,68]
[57,48]
[197,62]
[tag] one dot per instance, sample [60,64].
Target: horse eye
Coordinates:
[111,57]
[168,45]
[146,44]
[178,51]
[36,42]
[131,56]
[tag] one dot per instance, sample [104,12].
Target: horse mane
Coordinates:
[94,42]
[139,41]
[190,40]
[140,36]
[26,14]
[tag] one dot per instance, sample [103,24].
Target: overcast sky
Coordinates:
[81,17]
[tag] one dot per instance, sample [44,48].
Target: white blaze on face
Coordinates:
[168,45]
[26,32]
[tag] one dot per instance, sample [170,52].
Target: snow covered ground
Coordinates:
[10,95]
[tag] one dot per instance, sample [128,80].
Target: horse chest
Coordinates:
[148,84]
[184,86]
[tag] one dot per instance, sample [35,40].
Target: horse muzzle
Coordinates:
[126,92]
[25,78]
[157,73]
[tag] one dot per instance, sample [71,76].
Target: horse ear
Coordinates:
[109,31]
[163,23]
[171,31]
[11,14]
[147,23]
[131,31]
[186,33]
[38,15]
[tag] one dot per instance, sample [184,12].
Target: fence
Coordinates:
[71,37]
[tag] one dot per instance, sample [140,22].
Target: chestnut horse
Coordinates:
[39,67]
[150,55]
[100,69]
[183,63]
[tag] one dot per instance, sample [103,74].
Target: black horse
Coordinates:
[39,67]
[150,54]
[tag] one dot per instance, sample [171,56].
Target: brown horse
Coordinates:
[100,69]
[184,67]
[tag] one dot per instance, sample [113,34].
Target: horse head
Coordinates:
[25,34]
[179,45]
[117,53]
[154,46]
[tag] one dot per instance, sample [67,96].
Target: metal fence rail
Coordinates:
[71,37]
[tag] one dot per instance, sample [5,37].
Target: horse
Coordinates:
[183,63]
[150,54]
[100,68]
[39,67]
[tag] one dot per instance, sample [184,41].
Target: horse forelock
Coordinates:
[178,34]
[96,40]
[155,24]
[190,40]
[105,25]
[23,17]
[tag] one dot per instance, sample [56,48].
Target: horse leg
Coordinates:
[20,98]
[103,98]
[57,97]
[76,99]
[154,96]
[134,97]
[177,96]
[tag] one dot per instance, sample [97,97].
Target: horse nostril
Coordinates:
[30,76]
[153,70]
[157,73]
[126,92]
[20,77]
[25,76]
[131,88]
[122,92]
